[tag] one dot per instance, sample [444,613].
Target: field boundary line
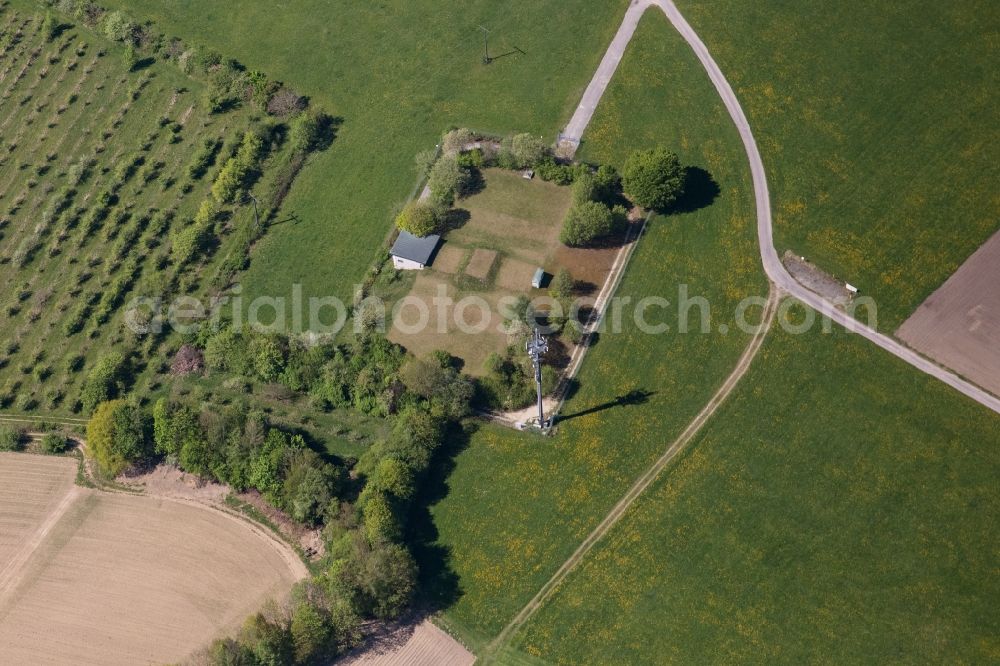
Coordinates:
[647,477]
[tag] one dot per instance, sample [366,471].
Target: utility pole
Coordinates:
[536,348]
[256,215]
[486,46]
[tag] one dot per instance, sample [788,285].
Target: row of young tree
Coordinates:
[229,83]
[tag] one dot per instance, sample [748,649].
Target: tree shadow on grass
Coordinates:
[700,191]
[327,131]
[143,64]
[633,397]
[475,184]
[455,218]
[439,586]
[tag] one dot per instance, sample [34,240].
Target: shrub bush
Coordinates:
[549,170]
[238,168]
[305,132]
[104,381]
[455,141]
[11,439]
[448,180]
[285,102]
[54,443]
[117,27]
[521,151]
[418,218]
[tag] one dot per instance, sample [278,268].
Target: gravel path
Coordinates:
[570,137]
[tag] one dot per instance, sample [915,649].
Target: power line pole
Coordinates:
[486,46]
[256,215]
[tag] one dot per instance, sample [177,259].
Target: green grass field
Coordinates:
[878,125]
[71,118]
[517,505]
[398,73]
[838,507]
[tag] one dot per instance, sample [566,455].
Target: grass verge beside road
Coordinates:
[877,125]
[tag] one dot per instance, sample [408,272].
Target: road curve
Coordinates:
[769,256]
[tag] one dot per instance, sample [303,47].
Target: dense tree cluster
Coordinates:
[118,434]
[368,572]
[596,212]
[240,448]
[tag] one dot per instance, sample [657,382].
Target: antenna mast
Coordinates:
[536,348]
[486,46]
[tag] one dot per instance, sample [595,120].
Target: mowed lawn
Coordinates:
[398,73]
[840,507]
[878,124]
[501,234]
[515,506]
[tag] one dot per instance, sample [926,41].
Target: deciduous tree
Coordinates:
[653,178]
[418,218]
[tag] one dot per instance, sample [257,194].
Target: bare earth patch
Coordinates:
[112,578]
[815,279]
[422,644]
[449,258]
[480,263]
[515,275]
[172,483]
[959,324]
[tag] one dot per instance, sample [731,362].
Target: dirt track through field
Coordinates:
[12,569]
[647,478]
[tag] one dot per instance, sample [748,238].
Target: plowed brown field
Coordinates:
[88,577]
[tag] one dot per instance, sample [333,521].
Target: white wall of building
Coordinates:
[405,264]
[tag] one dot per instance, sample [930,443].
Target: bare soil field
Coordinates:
[480,264]
[30,489]
[422,644]
[959,324]
[449,259]
[104,578]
